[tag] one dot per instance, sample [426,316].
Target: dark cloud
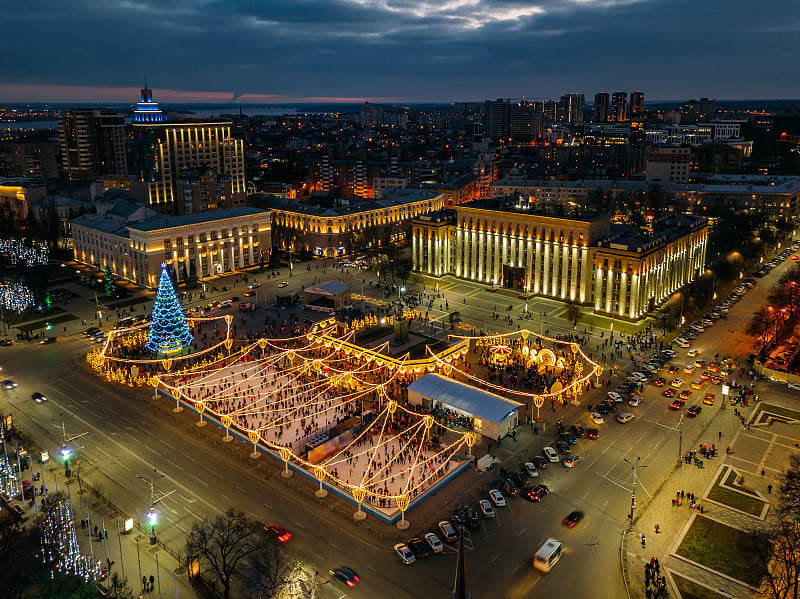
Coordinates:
[411,49]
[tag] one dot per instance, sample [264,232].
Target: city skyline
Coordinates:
[396,51]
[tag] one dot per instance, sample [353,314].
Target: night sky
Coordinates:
[273,51]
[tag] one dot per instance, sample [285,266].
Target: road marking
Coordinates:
[514,571]
[200,480]
[190,458]
[332,545]
[242,490]
[318,555]
[268,506]
[519,534]
[254,515]
[494,559]
[167,444]
[298,524]
[174,464]
[371,568]
[212,471]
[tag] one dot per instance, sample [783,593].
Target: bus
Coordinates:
[548,555]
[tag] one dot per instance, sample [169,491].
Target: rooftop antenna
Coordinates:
[145,81]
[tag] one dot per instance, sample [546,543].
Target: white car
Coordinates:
[448,531]
[486,508]
[596,417]
[614,395]
[497,498]
[692,353]
[625,417]
[550,454]
[795,386]
[404,553]
[255,285]
[531,470]
[434,542]
[634,401]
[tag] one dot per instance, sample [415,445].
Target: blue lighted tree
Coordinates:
[169,333]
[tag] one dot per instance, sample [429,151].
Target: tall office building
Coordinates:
[497,119]
[601,102]
[619,107]
[93,143]
[146,110]
[572,108]
[526,121]
[163,150]
[637,103]
[371,115]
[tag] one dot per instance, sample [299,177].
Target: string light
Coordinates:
[30,255]
[169,333]
[15,296]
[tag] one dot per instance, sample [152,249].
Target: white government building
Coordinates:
[619,270]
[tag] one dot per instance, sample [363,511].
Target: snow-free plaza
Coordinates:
[370,424]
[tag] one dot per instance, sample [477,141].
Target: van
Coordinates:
[548,555]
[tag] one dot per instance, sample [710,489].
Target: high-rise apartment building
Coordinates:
[93,143]
[526,121]
[371,115]
[572,108]
[162,150]
[31,159]
[601,103]
[619,107]
[637,103]
[497,119]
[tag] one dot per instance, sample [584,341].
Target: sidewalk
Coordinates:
[130,553]
[658,509]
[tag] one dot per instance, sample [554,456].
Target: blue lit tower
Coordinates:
[169,333]
[146,110]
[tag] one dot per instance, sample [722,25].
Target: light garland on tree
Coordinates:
[31,255]
[16,297]
[9,483]
[169,333]
[60,547]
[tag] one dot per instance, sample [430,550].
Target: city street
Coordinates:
[130,435]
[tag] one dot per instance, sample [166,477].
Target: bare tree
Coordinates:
[573,311]
[270,570]
[226,543]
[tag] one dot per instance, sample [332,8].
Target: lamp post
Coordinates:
[635,466]
[152,514]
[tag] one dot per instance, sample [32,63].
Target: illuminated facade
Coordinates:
[328,230]
[613,268]
[163,150]
[214,243]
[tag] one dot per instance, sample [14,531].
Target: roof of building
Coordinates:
[102,224]
[744,184]
[332,287]
[391,198]
[124,208]
[469,399]
[163,221]
[507,205]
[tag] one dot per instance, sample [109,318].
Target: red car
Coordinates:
[278,532]
[660,382]
[668,393]
[716,380]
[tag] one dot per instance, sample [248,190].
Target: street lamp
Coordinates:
[400,290]
[65,453]
[152,514]
[634,466]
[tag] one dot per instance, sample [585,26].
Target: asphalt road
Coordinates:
[129,437]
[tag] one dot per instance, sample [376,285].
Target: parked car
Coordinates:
[419,547]
[531,470]
[448,531]
[550,454]
[570,461]
[404,553]
[497,498]
[433,542]
[625,417]
[596,418]
[486,508]
[593,433]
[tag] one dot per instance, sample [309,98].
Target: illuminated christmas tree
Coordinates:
[169,333]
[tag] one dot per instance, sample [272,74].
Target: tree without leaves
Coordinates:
[403,268]
[760,325]
[270,569]
[573,309]
[226,543]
